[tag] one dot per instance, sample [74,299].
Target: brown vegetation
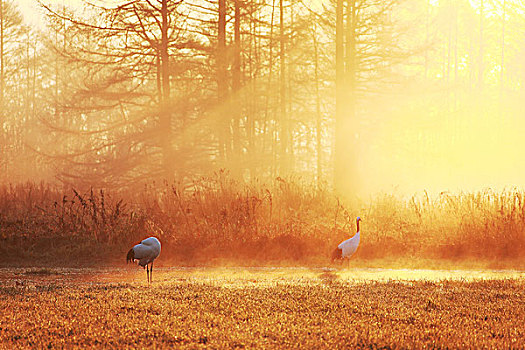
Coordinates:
[219,219]
[286,313]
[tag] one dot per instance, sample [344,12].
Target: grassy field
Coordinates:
[464,299]
[261,307]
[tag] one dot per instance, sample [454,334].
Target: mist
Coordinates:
[471,148]
[393,97]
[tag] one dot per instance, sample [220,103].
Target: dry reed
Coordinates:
[217,218]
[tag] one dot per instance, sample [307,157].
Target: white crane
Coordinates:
[145,252]
[347,248]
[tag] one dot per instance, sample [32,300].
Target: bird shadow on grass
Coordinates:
[329,277]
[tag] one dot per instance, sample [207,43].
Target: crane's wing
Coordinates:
[150,241]
[142,251]
[349,246]
[153,243]
[344,243]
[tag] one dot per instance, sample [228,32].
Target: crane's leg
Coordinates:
[151,272]
[147,272]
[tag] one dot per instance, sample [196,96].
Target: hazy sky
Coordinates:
[30,7]
[29,10]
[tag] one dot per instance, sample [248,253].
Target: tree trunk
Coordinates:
[165,108]
[282,95]
[222,84]
[3,134]
[480,58]
[427,21]
[253,104]
[339,98]
[502,74]
[2,63]
[318,119]
[345,174]
[267,129]
[236,91]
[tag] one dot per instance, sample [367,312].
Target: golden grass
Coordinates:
[261,309]
[219,220]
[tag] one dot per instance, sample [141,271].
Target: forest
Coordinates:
[231,124]
[329,92]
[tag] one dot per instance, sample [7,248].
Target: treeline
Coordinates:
[121,95]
